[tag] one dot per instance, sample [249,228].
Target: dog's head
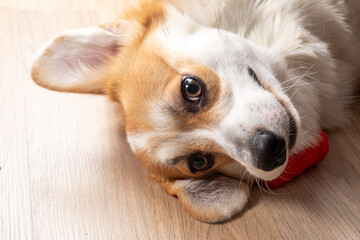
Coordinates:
[198,103]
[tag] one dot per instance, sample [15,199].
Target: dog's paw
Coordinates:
[210,200]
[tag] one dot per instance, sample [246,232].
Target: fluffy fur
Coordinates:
[306,56]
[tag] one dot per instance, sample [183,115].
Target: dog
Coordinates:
[214,92]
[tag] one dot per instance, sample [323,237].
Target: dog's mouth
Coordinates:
[291,125]
[292,130]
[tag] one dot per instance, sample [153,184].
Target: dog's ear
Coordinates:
[212,200]
[76,60]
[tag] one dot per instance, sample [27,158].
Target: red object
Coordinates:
[302,161]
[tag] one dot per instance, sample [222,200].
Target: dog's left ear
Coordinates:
[76,60]
[212,200]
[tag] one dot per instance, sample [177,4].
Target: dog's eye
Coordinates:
[191,88]
[200,162]
[253,75]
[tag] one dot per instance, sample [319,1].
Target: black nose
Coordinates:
[268,149]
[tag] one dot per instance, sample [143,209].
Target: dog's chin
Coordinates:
[267,176]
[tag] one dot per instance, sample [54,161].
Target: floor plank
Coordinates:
[15,205]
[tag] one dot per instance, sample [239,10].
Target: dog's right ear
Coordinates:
[76,60]
[214,199]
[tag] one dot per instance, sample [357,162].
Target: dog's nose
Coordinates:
[268,149]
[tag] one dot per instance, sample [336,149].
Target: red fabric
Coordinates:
[302,161]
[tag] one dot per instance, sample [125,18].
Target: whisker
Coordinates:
[268,188]
[305,132]
[294,93]
[242,177]
[306,74]
[251,178]
[257,183]
[296,84]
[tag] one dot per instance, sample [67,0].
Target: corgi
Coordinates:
[214,92]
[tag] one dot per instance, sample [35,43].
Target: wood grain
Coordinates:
[68,173]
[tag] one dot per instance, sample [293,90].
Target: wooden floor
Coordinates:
[68,173]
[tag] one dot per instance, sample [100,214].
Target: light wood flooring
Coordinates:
[68,173]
